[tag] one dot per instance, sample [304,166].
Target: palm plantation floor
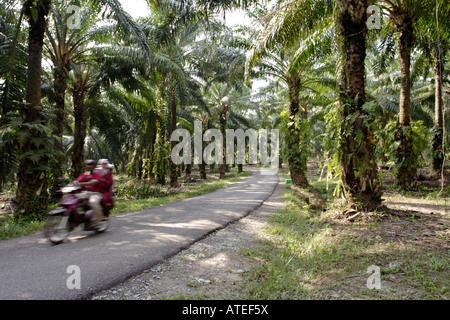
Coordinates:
[284,250]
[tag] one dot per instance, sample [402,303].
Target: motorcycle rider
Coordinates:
[104,168]
[90,180]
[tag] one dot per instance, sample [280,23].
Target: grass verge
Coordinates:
[307,254]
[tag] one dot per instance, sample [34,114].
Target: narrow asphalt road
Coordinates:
[31,268]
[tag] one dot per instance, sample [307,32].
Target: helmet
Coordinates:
[90,162]
[102,161]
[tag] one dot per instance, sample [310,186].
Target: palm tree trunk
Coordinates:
[59,87]
[202,165]
[79,94]
[297,160]
[360,181]
[160,153]
[202,169]
[31,194]
[173,127]
[223,125]
[438,155]
[406,162]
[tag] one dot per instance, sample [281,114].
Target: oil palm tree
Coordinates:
[31,195]
[31,190]
[359,169]
[65,47]
[13,59]
[404,15]
[280,30]
[439,52]
[172,42]
[383,89]
[79,88]
[434,38]
[106,88]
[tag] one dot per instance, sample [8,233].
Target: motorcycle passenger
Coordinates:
[91,181]
[104,168]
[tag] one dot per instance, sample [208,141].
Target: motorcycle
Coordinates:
[72,212]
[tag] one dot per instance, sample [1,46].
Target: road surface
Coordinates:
[31,268]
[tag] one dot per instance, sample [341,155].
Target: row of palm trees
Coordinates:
[40,152]
[131,83]
[342,26]
[127,80]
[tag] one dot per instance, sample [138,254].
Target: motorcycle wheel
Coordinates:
[102,227]
[56,228]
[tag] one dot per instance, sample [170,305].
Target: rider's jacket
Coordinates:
[88,176]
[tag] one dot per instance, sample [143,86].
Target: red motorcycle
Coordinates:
[72,212]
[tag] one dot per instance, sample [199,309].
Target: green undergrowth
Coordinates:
[309,254]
